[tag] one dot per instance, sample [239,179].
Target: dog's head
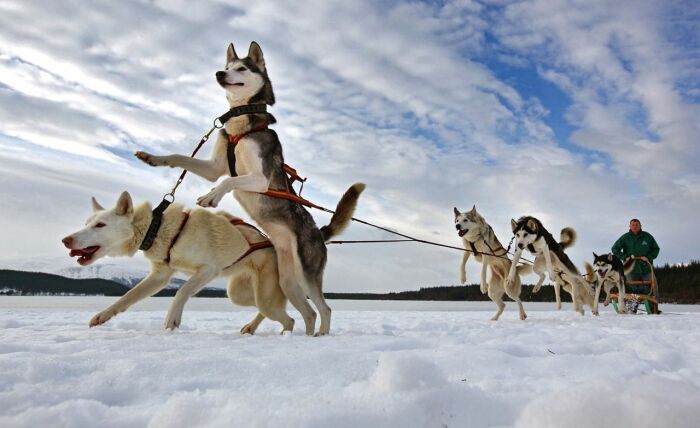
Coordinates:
[526,231]
[469,224]
[105,232]
[245,79]
[603,264]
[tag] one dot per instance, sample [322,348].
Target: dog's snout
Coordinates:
[220,75]
[67,241]
[521,246]
[458,226]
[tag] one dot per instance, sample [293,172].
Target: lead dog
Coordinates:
[550,257]
[300,245]
[607,273]
[202,244]
[478,237]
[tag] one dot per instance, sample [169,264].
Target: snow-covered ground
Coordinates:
[386,364]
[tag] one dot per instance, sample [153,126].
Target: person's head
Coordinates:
[635,226]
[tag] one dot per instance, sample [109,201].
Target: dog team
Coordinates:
[285,260]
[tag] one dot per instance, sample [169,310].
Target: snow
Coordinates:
[386,364]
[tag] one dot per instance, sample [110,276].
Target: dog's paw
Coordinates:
[101,318]
[537,288]
[211,199]
[248,329]
[596,313]
[558,306]
[149,158]
[484,288]
[523,316]
[172,321]
[462,278]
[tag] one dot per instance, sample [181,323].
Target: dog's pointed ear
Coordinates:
[610,257]
[457,213]
[532,225]
[230,54]
[256,55]
[96,205]
[513,224]
[595,256]
[473,210]
[124,205]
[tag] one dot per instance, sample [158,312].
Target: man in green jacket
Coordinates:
[637,243]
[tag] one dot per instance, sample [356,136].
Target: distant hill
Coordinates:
[678,284]
[22,283]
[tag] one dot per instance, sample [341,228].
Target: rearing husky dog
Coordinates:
[478,237]
[200,243]
[299,244]
[550,257]
[608,272]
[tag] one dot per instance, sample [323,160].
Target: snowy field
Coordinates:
[386,364]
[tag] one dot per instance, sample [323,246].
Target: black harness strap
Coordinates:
[231,154]
[241,110]
[474,250]
[153,228]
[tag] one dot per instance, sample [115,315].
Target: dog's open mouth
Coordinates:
[85,254]
[462,232]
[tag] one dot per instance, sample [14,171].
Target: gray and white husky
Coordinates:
[299,243]
[200,243]
[549,254]
[479,237]
[607,273]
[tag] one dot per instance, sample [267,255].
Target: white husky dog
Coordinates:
[200,243]
[550,257]
[252,155]
[478,237]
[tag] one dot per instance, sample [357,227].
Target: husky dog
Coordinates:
[478,237]
[608,272]
[550,257]
[200,243]
[298,242]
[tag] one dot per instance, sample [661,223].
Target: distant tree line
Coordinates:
[677,284]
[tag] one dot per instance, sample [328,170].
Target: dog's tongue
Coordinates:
[83,251]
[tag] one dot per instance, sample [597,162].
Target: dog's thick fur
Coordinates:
[607,273]
[205,248]
[550,257]
[298,242]
[474,230]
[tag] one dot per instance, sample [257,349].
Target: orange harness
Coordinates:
[255,246]
[292,175]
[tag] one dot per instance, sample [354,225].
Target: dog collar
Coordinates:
[240,111]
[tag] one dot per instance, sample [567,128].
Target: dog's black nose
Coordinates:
[458,226]
[220,75]
[521,246]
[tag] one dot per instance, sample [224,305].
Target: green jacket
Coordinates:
[642,244]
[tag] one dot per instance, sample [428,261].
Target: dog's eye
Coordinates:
[241,69]
[100,224]
[524,234]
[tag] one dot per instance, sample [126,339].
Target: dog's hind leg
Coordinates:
[156,280]
[195,283]
[596,298]
[557,294]
[316,295]
[514,293]
[621,298]
[253,324]
[496,294]
[484,267]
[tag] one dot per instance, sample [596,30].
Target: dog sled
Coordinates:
[648,301]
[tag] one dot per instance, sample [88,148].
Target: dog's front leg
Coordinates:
[557,293]
[510,280]
[150,285]
[195,283]
[257,183]
[484,266]
[463,267]
[596,297]
[621,298]
[210,169]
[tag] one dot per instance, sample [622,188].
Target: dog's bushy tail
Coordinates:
[343,212]
[591,277]
[567,238]
[628,266]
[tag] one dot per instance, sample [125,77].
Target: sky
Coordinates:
[581,113]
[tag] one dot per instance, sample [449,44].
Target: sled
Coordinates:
[648,301]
